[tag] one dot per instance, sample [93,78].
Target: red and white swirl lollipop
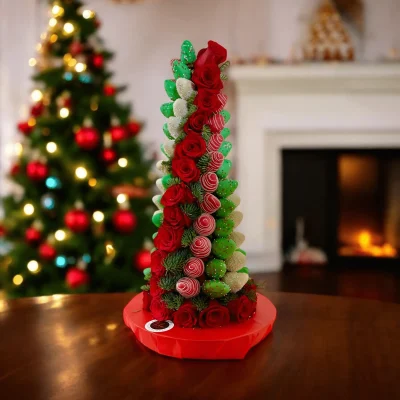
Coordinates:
[210,203]
[215,142]
[188,287]
[216,160]
[194,267]
[204,225]
[209,181]
[201,247]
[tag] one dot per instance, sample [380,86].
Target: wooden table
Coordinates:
[77,347]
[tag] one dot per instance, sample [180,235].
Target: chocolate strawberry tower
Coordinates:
[198,275]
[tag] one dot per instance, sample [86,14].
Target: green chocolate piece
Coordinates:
[154,235]
[165,180]
[225,132]
[227,206]
[181,70]
[223,248]
[242,251]
[216,268]
[226,187]
[170,88]
[224,169]
[157,218]
[147,274]
[188,55]
[167,109]
[244,270]
[215,289]
[225,148]
[166,132]
[224,227]
[226,115]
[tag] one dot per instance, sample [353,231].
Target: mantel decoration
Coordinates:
[200,301]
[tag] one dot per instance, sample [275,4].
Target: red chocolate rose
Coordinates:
[214,53]
[208,77]
[186,169]
[174,216]
[157,267]
[241,309]
[177,194]
[155,290]
[168,238]
[146,300]
[186,316]
[193,146]
[159,309]
[196,122]
[214,316]
[208,101]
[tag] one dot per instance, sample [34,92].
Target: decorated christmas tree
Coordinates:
[81,220]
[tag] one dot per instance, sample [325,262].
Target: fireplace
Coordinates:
[347,201]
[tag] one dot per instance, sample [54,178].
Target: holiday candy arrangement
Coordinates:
[198,276]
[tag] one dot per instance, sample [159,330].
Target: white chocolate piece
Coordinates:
[236,261]
[235,280]
[180,108]
[235,199]
[160,185]
[157,201]
[169,147]
[237,237]
[185,88]
[236,217]
[173,126]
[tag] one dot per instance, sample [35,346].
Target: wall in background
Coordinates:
[147,35]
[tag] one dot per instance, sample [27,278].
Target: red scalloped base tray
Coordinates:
[230,342]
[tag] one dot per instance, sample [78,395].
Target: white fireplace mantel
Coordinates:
[304,106]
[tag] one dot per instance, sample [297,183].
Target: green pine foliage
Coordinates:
[201,302]
[227,298]
[79,84]
[172,300]
[225,65]
[188,236]
[174,262]
[193,211]
[197,191]
[206,133]
[203,162]
[168,282]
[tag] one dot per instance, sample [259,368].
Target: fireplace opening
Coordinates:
[341,206]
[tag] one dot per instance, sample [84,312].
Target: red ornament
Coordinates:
[124,221]
[25,128]
[37,171]
[87,138]
[37,109]
[118,133]
[75,278]
[76,48]
[2,231]
[98,60]
[143,260]
[133,128]
[15,170]
[109,90]
[109,156]
[77,220]
[47,252]
[32,235]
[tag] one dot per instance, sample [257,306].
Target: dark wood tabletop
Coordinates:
[77,347]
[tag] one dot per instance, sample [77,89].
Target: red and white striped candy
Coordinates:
[223,99]
[215,142]
[210,203]
[201,247]
[204,225]
[209,181]
[194,267]
[216,160]
[216,122]
[188,287]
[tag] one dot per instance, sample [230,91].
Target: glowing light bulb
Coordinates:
[17,280]
[52,22]
[29,209]
[33,266]
[37,95]
[87,14]
[32,62]
[57,11]
[92,182]
[80,67]
[81,173]
[64,112]
[98,216]
[110,249]
[51,147]
[122,162]
[31,121]
[39,47]
[68,28]
[60,235]
[72,62]
[53,38]
[18,149]
[121,198]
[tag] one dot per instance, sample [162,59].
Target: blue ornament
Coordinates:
[61,261]
[85,78]
[53,182]
[48,201]
[68,76]
[86,258]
